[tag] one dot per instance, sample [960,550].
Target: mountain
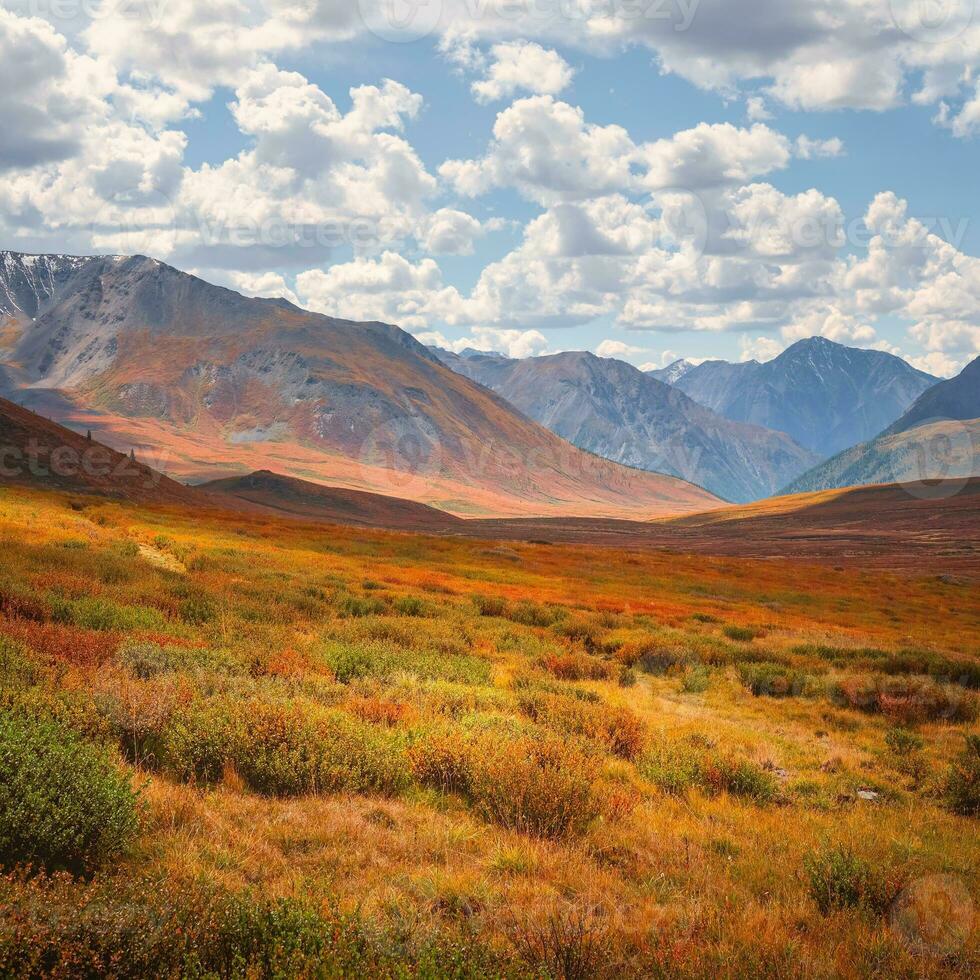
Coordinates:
[937,438]
[956,398]
[673,372]
[36,452]
[300,499]
[825,395]
[149,356]
[614,410]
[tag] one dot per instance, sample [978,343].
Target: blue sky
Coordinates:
[572,177]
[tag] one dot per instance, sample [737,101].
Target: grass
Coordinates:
[402,756]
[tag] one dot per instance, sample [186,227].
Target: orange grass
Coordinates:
[507,756]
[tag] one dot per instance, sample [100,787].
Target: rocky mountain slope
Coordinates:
[828,397]
[938,438]
[956,398]
[616,411]
[149,356]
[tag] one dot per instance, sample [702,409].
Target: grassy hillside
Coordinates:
[394,755]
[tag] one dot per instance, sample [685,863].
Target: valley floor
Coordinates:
[384,754]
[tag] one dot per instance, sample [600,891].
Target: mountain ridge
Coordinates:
[151,356]
[608,407]
[825,395]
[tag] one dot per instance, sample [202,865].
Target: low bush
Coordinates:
[572,666]
[284,749]
[490,605]
[680,766]
[356,606]
[695,680]
[616,729]
[906,700]
[383,661]
[443,760]
[772,680]
[410,605]
[541,787]
[63,804]
[743,634]
[839,879]
[963,781]
[167,928]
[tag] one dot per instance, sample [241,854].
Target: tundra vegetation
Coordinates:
[235,747]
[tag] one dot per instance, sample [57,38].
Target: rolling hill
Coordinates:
[611,408]
[150,356]
[301,500]
[36,452]
[825,395]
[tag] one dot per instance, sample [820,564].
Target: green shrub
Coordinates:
[282,751]
[696,679]
[198,610]
[487,605]
[18,669]
[350,662]
[963,781]
[743,634]
[172,928]
[839,879]
[679,766]
[772,680]
[355,607]
[96,613]
[410,605]
[906,700]
[63,805]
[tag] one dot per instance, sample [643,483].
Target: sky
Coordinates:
[647,179]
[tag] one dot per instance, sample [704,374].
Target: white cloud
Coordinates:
[756,110]
[449,232]
[759,348]
[389,288]
[711,155]
[522,66]
[618,349]
[267,284]
[547,151]
[809,149]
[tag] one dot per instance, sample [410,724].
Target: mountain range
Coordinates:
[828,397]
[214,382]
[615,410]
[938,437]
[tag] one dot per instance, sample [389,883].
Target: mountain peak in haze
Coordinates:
[826,395]
[614,410]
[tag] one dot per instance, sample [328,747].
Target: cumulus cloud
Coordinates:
[389,288]
[759,348]
[517,66]
[619,349]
